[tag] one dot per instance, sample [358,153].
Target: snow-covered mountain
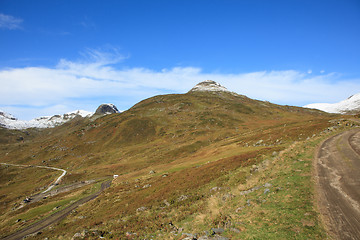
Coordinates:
[9,121]
[347,106]
[209,85]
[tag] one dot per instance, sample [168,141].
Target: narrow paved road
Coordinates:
[338,171]
[55,217]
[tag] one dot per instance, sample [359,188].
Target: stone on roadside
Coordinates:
[267,185]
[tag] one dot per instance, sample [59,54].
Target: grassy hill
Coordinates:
[184,162]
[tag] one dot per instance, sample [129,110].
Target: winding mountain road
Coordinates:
[338,176]
[52,168]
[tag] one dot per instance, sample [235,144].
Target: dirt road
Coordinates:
[52,168]
[338,171]
[55,217]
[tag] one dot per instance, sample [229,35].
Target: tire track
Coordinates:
[338,179]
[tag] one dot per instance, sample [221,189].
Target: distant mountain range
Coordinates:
[347,106]
[9,121]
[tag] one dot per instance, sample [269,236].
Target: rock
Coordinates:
[266,191]
[203,238]
[239,209]
[217,237]
[141,209]
[267,185]
[217,230]
[20,138]
[166,203]
[215,189]
[209,86]
[106,109]
[147,186]
[130,234]
[152,172]
[34,234]
[188,236]
[259,142]
[254,168]
[236,230]
[84,232]
[77,236]
[227,196]
[182,198]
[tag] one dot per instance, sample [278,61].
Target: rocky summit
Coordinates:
[209,85]
[107,109]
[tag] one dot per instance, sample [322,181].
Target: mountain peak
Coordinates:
[209,85]
[106,108]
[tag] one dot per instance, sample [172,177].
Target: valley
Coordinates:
[208,164]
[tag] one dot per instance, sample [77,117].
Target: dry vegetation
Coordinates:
[184,162]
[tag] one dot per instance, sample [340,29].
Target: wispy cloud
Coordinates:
[95,79]
[87,23]
[10,22]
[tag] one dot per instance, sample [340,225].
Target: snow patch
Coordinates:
[349,105]
[9,121]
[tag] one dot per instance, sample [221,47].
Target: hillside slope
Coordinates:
[169,152]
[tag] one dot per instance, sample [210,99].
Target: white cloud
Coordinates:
[309,71]
[86,84]
[10,22]
[322,71]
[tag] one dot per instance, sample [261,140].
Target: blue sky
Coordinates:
[58,56]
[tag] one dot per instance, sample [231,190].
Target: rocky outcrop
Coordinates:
[106,109]
[209,86]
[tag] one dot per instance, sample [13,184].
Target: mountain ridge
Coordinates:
[351,105]
[7,120]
